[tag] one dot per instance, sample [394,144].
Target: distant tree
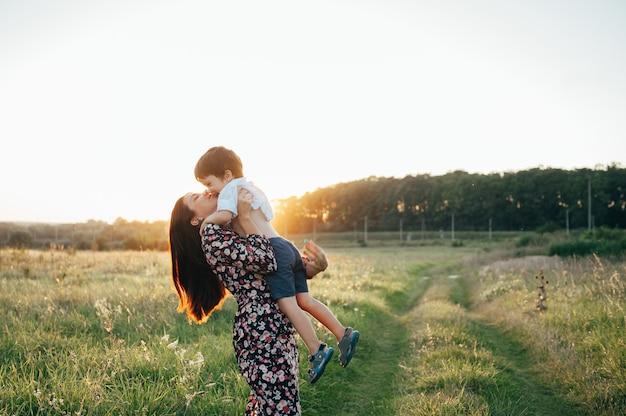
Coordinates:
[21,239]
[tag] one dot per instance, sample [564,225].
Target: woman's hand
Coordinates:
[314,259]
[243,223]
[244,203]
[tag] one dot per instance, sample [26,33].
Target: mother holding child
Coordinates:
[210,259]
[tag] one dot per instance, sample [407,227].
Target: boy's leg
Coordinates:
[302,323]
[289,279]
[283,289]
[347,337]
[320,352]
[321,312]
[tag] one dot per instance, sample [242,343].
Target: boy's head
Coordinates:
[218,166]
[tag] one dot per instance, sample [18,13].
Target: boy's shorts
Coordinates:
[290,278]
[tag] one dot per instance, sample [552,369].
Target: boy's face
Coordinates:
[214,184]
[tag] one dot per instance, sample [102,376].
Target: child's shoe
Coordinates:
[319,361]
[347,345]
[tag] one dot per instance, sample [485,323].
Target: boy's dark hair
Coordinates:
[216,161]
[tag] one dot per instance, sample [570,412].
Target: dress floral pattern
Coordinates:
[264,339]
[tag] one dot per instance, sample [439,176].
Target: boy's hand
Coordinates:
[314,259]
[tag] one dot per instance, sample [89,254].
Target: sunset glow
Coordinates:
[106,106]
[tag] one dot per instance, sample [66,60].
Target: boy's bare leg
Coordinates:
[302,323]
[321,312]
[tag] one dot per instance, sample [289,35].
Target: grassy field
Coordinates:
[447,329]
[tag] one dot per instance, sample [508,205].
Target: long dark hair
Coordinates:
[199,289]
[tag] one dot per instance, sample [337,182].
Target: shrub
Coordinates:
[21,239]
[586,248]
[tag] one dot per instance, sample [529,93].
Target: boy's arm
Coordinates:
[218,218]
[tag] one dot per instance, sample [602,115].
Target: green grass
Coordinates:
[445,330]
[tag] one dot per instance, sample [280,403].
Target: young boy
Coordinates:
[221,171]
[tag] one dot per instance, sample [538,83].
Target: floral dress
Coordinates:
[264,339]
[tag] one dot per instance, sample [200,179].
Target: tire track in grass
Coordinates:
[520,374]
[520,378]
[369,380]
[463,364]
[366,386]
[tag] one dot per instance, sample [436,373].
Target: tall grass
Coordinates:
[445,331]
[97,333]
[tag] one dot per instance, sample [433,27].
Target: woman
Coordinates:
[206,263]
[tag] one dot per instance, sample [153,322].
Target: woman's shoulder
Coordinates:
[217,229]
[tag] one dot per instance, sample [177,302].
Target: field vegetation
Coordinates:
[449,327]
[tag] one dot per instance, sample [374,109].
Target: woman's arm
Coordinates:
[224,247]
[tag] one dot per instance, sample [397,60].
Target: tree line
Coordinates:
[90,235]
[511,201]
[532,200]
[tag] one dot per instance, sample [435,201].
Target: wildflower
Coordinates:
[180,353]
[199,360]
[190,397]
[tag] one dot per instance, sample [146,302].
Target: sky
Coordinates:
[105,106]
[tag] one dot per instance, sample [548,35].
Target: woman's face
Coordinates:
[202,204]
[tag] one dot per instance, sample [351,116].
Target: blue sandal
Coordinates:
[347,345]
[319,361]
